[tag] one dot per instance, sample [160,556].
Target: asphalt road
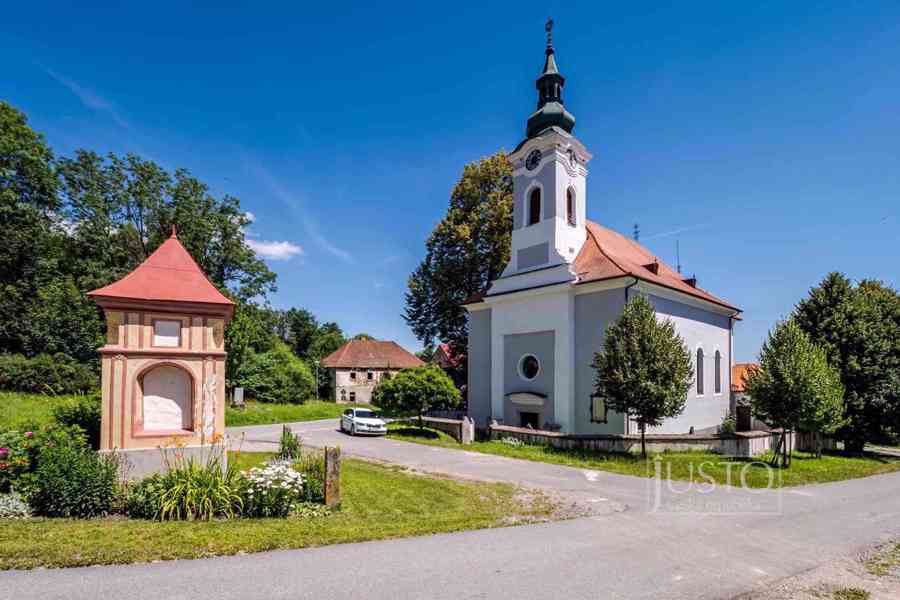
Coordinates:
[702,544]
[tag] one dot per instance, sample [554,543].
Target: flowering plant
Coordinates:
[275,490]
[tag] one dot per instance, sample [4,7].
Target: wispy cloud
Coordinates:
[675,231]
[275,250]
[90,98]
[309,224]
[312,230]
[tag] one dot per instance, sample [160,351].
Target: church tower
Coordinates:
[549,183]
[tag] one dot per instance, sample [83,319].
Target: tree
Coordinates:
[643,371]
[467,250]
[329,338]
[795,388]
[29,249]
[302,329]
[416,391]
[275,376]
[119,210]
[859,329]
[364,337]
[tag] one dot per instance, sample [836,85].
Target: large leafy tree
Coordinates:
[416,391]
[795,388]
[859,329]
[29,246]
[119,210]
[467,250]
[643,371]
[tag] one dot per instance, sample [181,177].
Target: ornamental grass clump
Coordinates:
[194,491]
[275,490]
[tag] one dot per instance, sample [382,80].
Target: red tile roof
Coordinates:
[371,354]
[738,372]
[609,255]
[168,275]
[445,357]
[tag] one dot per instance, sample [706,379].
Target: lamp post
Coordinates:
[316,362]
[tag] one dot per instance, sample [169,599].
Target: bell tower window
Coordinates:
[534,206]
[570,207]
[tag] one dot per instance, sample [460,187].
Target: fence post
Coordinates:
[332,477]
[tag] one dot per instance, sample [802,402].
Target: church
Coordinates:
[534,331]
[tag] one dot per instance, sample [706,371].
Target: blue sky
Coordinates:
[765,136]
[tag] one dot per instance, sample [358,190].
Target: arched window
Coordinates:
[699,371]
[534,206]
[570,207]
[718,372]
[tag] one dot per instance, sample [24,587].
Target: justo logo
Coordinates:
[723,487]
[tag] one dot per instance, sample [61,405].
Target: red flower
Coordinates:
[3,466]
[4,452]
[29,434]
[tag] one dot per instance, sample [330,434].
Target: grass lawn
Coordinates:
[18,409]
[805,468]
[260,413]
[378,503]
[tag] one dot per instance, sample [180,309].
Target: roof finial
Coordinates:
[174,231]
[548,27]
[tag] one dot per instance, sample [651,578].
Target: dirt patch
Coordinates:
[873,574]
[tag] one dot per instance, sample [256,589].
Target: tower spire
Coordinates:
[550,110]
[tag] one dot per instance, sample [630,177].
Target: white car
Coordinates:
[362,421]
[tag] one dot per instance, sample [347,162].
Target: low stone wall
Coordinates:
[742,444]
[462,430]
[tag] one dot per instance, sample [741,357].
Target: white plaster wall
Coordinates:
[699,328]
[530,312]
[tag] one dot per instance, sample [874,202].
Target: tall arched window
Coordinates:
[718,372]
[534,206]
[570,207]
[699,371]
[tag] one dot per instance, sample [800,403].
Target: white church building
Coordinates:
[534,331]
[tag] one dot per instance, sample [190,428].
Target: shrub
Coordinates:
[73,481]
[12,506]
[290,445]
[83,412]
[46,374]
[272,491]
[142,498]
[729,425]
[276,376]
[193,491]
[19,450]
[312,466]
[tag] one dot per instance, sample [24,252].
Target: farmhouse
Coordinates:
[356,367]
[534,331]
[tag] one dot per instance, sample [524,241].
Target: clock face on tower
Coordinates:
[533,159]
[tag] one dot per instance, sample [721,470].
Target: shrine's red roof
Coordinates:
[168,275]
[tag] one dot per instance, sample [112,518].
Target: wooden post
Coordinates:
[332,477]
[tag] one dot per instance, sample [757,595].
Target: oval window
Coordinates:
[529,367]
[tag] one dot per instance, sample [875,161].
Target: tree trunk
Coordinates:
[786,457]
[777,451]
[643,443]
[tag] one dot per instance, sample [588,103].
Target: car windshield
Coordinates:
[366,414]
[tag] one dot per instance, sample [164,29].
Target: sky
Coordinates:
[763,137]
